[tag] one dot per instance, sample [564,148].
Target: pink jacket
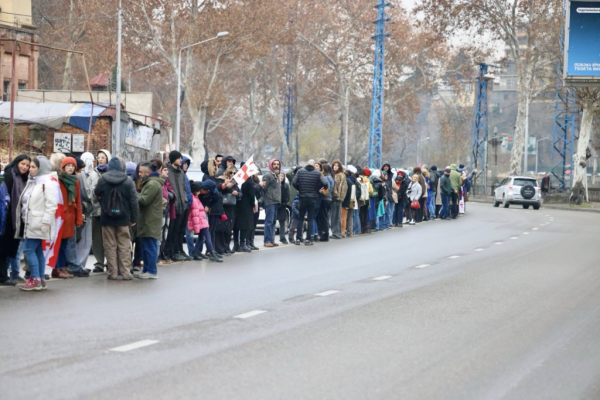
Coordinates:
[197,219]
[171,206]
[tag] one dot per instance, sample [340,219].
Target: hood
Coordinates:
[115,165]
[224,161]
[228,170]
[309,168]
[453,167]
[376,173]
[106,153]
[375,179]
[88,159]
[271,161]
[389,167]
[187,161]
[400,176]
[290,174]
[208,185]
[130,167]
[45,166]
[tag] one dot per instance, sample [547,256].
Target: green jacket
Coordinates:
[293,191]
[445,185]
[151,209]
[455,178]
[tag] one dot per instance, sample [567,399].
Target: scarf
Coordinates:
[102,168]
[69,182]
[153,173]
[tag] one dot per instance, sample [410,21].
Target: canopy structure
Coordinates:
[53,115]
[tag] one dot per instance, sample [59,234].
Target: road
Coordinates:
[499,304]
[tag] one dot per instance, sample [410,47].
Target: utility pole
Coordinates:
[117,145]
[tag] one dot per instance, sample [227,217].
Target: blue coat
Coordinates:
[4,206]
[188,187]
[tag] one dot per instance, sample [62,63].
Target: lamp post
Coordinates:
[537,153]
[141,69]
[419,149]
[347,112]
[178,133]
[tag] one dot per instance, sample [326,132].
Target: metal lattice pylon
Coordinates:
[288,112]
[376,126]
[564,133]
[480,126]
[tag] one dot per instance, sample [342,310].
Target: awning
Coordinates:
[80,115]
[52,115]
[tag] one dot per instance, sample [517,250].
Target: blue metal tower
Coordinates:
[480,127]
[288,111]
[565,123]
[376,127]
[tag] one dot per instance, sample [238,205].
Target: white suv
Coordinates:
[518,190]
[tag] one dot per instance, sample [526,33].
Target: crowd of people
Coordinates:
[133,217]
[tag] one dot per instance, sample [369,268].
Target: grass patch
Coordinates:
[584,205]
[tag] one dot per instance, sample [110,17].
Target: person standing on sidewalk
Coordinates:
[434,179]
[177,180]
[149,227]
[309,182]
[282,211]
[339,194]
[456,182]
[102,158]
[272,197]
[119,210]
[446,194]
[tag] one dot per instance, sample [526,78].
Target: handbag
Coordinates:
[381,209]
[229,199]
[353,198]
[415,205]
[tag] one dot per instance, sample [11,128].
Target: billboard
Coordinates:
[507,145]
[582,43]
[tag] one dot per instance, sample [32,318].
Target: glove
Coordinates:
[45,228]
[223,217]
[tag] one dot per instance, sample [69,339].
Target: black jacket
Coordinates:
[117,179]
[351,182]
[309,181]
[434,179]
[214,201]
[244,208]
[177,180]
[379,191]
[402,188]
[223,165]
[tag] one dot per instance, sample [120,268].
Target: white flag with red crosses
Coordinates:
[246,171]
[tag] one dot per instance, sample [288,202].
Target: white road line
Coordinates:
[534,229]
[479,249]
[327,293]
[514,237]
[525,233]
[382,278]
[250,314]
[547,215]
[423,266]
[498,243]
[453,257]
[133,346]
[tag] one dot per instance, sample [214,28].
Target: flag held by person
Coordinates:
[246,171]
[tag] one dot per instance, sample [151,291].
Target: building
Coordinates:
[16,22]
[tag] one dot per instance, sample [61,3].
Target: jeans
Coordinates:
[445,206]
[306,205]
[72,260]
[189,239]
[431,205]
[399,213]
[389,214]
[356,221]
[35,258]
[270,217]
[454,208]
[85,244]
[149,255]
[14,262]
[336,219]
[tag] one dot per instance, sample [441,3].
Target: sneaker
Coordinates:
[136,269]
[81,273]
[308,243]
[31,285]
[412,222]
[98,268]
[199,257]
[269,245]
[43,282]
[179,258]
[213,256]
[283,241]
[147,275]
[8,282]
[298,242]
[18,279]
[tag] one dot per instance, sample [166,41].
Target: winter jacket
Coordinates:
[434,179]
[379,192]
[91,176]
[415,190]
[212,199]
[446,185]
[244,209]
[308,182]
[350,183]
[455,177]
[341,187]
[388,178]
[293,191]
[8,244]
[177,180]
[223,166]
[272,189]
[42,192]
[167,189]
[116,178]
[328,195]
[150,201]
[4,207]
[72,214]
[197,219]
[86,195]
[188,187]
[402,184]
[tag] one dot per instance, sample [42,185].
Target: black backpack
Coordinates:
[115,207]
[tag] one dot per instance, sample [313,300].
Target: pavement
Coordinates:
[499,304]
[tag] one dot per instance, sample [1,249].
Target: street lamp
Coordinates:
[178,133]
[141,69]
[347,112]
[419,149]
[537,153]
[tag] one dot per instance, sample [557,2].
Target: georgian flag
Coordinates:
[51,247]
[246,171]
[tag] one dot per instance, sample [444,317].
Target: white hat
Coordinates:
[352,169]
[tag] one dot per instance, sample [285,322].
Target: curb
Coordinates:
[545,206]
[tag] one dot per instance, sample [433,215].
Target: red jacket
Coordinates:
[73,214]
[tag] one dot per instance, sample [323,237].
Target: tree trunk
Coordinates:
[199,135]
[67,73]
[578,192]
[516,155]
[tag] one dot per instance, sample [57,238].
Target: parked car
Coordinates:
[518,190]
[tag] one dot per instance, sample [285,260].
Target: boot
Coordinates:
[213,256]
[199,256]
[252,246]
[236,246]
[244,248]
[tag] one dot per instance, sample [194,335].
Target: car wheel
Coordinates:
[505,202]
[496,203]
[536,207]
[526,206]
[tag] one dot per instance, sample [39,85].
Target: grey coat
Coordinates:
[272,190]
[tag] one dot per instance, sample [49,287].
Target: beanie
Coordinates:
[174,155]
[130,168]
[68,160]
[196,187]
[367,172]
[80,163]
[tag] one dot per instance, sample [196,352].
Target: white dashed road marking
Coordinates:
[133,346]
[250,314]
[514,237]
[525,233]
[535,229]
[382,278]
[498,243]
[453,257]
[327,293]
[423,266]
[479,249]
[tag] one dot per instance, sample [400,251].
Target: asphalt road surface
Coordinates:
[499,304]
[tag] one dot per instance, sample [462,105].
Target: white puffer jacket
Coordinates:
[42,203]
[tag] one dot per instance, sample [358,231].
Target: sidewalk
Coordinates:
[587,207]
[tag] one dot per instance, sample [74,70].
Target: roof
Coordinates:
[53,115]
[101,80]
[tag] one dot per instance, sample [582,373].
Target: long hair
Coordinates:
[340,166]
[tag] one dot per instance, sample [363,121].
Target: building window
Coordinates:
[6,90]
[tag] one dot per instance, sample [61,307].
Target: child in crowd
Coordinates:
[198,223]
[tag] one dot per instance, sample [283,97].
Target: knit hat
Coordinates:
[115,164]
[433,168]
[174,155]
[447,170]
[80,163]
[352,169]
[130,168]
[195,187]
[208,185]
[68,160]
[367,172]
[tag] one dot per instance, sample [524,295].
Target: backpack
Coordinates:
[364,191]
[115,207]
